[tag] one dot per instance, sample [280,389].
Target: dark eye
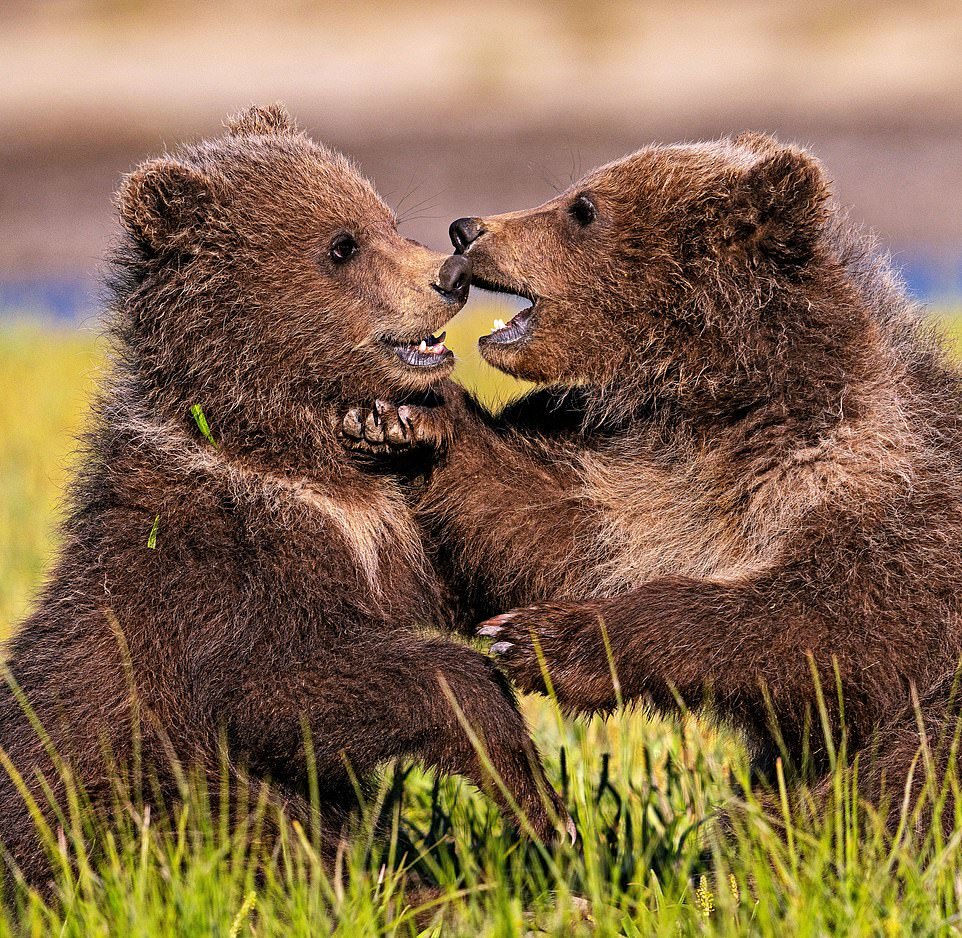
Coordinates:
[583,211]
[343,248]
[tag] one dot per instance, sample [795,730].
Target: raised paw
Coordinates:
[557,638]
[385,429]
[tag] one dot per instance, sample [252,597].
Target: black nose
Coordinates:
[454,277]
[463,231]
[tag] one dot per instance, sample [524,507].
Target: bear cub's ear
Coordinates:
[273,119]
[779,206]
[163,202]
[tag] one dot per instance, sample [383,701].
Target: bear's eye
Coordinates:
[343,248]
[583,211]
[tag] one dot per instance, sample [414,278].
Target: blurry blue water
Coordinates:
[932,279]
[61,299]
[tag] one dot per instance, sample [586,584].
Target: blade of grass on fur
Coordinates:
[152,537]
[200,418]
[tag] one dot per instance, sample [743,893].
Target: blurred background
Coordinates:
[452,109]
[462,108]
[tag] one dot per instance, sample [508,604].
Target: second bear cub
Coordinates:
[746,466]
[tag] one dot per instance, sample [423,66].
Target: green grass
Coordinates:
[639,789]
[45,378]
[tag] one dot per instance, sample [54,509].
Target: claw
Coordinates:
[489,631]
[500,620]
[499,648]
[404,415]
[352,425]
[571,830]
[373,427]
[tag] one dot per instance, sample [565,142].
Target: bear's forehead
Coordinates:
[292,173]
[687,164]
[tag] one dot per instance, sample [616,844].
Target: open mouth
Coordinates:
[429,352]
[514,330]
[517,328]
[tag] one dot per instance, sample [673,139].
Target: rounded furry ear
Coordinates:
[163,202]
[778,205]
[273,119]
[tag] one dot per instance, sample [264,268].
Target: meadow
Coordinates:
[641,790]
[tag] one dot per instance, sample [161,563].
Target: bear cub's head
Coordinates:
[264,278]
[659,268]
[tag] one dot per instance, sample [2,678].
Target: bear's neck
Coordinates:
[273,434]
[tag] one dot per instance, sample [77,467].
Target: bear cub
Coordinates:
[231,581]
[745,463]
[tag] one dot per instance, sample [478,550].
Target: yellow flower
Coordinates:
[704,899]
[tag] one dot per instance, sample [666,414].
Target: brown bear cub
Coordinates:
[746,464]
[229,575]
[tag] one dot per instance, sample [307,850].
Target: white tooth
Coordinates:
[498,325]
[423,347]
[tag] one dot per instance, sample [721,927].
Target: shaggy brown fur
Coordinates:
[748,457]
[288,577]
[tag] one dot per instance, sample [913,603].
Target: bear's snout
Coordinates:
[463,232]
[454,278]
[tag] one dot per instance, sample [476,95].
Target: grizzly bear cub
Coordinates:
[746,465]
[232,584]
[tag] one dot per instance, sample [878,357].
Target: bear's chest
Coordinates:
[355,545]
[652,522]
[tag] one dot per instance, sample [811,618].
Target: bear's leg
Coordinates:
[398,694]
[909,768]
[740,647]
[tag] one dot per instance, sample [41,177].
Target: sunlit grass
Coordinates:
[639,788]
[45,378]
[488,384]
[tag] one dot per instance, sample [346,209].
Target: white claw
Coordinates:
[499,648]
